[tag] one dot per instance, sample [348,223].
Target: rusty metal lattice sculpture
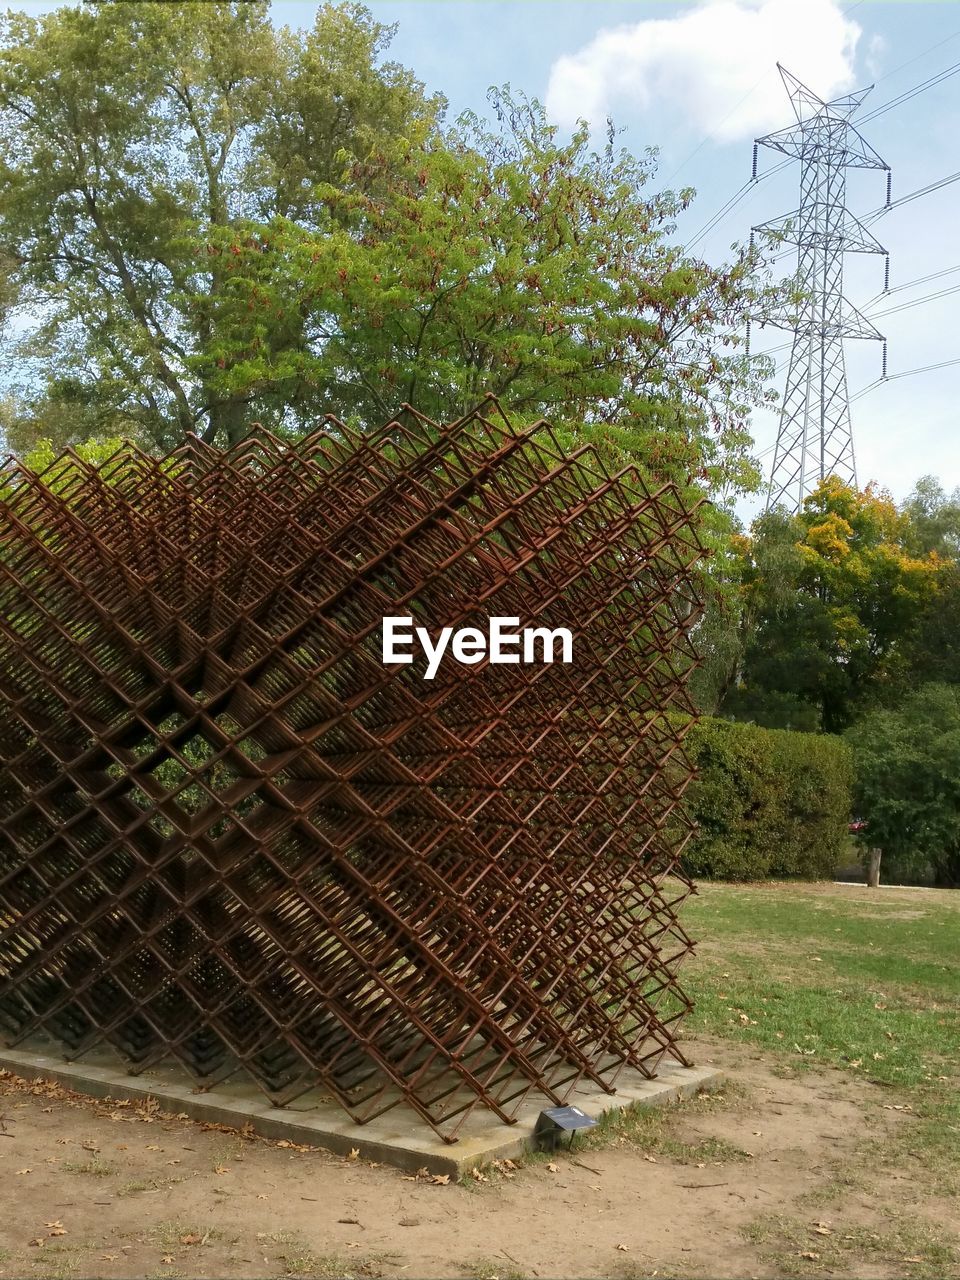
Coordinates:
[231,836]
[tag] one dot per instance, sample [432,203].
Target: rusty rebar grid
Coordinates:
[231,836]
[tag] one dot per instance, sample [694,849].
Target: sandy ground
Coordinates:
[95,1189]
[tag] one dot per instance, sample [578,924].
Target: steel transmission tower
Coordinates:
[815,438]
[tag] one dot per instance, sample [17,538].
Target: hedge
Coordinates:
[769,802]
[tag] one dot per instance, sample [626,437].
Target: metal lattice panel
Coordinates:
[231,836]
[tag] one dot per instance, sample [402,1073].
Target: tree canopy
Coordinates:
[208,222]
[133,135]
[830,599]
[907,764]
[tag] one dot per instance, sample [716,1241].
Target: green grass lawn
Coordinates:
[866,981]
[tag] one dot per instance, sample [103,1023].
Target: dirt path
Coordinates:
[765,1181]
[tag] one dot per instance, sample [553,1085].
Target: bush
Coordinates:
[908,783]
[769,802]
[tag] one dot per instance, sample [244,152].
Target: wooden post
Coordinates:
[873,871]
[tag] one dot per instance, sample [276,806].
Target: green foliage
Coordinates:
[931,651]
[509,262]
[133,135]
[907,763]
[768,802]
[933,518]
[830,598]
[218,223]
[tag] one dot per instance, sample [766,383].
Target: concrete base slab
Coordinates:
[399,1137]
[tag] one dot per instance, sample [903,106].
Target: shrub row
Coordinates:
[769,802]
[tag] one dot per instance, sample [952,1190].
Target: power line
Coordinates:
[912,284]
[814,438]
[734,200]
[907,373]
[917,89]
[906,96]
[917,56]
[915,302]
[912,195]
[739,103]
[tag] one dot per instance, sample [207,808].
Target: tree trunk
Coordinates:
[873,870]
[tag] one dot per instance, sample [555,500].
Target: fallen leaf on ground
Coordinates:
[553,1168]
[441,1179]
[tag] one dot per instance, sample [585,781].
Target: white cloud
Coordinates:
[713,66]
[876,48]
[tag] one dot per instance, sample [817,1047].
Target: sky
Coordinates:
[699,81]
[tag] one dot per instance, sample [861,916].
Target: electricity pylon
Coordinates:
[815,437]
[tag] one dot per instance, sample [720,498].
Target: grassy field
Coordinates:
[833,1151]
[833,975]
[814,976]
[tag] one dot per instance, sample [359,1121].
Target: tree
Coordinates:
[514,263]
[932,650]
[236,225]
[934,519]
[907,787]
[833,597]
[134,136]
